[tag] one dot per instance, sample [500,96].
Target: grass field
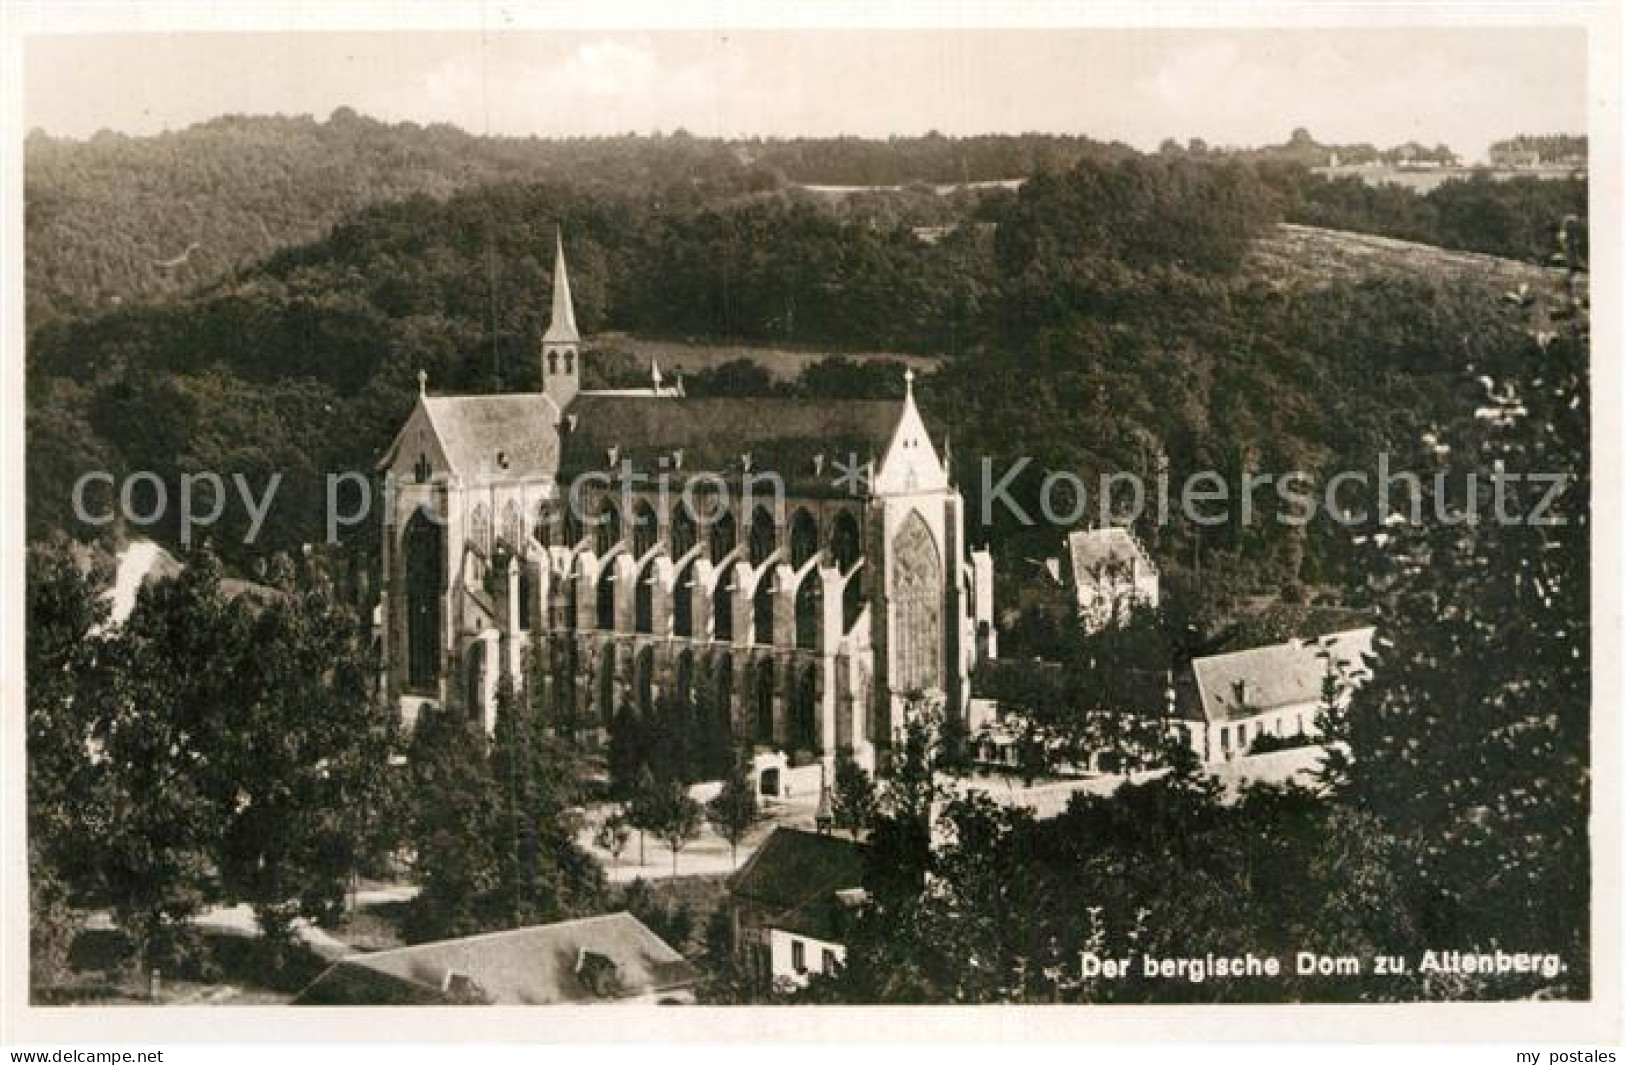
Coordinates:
[1296,256]
[679,356]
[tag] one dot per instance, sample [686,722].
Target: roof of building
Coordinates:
[1089,548]
[802,881]
[782,435]
[1244,683]
[539,965]
[506,436]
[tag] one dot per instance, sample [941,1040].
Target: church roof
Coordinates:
[539,965]
[783,435]
[499,437]
[1243,683]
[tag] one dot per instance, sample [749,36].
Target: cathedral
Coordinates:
[796,566]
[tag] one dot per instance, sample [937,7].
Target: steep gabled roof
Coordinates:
[1088,548]
[795,879]
[781,434]
[1243,683]
[540,965]
[480,433]
[561,327]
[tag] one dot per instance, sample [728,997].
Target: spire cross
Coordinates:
[423,382]
[908,380]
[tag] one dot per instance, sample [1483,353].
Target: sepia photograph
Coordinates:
[526,513]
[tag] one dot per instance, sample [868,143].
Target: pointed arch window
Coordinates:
[763,537]
[682,603]
[683,532]
[513,525]
[722,605]
[645,528]
[845,546]
[809,611]
[917,593]
[803,537]
[762,612]
[724,536]
[804,710]
[763,693]
[607,532]
[643,600]
[479,529]
[606,599]
[425,557]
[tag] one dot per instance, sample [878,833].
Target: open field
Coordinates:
[680,356]
[1295,257]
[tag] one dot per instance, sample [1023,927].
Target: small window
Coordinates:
[1224,737]
[798,955]
[829,962]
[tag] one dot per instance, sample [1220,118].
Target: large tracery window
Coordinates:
[479,529]
[425,553]
[763,537]
[513,526]
[683,533]
[645,529]
[917,593]
[607,532]
[723,536]
[682,602]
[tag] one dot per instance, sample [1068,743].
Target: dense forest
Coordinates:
[115,218]
[1115,295]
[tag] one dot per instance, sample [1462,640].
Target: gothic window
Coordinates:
[722,688]
[606,599]
[606,683]
[917,593]
[723,536]
[643,681]
[804,710]
[645,529]
[683,534]
[572,595]
[851,601]
[643,600]
[809,610]
[552,362]
[569,360]
[607,533]
[845,547]
[572,526]
[475,676]
[546,514]
[803,538]
[764,701]
[762,611]
[421,470]
[513,526]
[527,589]
[685,677]
[722,605]
[682,602]
[425,557]
[762,536]
[479,529]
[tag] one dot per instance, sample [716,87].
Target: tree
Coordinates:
[159,728]
[66,611]
[674,817]
[643,806]
[612,835]
[853,800]
[453,827]
[734,809]
[295,815]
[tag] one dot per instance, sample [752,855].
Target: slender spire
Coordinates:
[561,328]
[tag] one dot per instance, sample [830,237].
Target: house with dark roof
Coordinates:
[610,958]
[792,904]
[799,566]
[1277,690]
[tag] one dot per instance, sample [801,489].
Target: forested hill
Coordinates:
[117,218]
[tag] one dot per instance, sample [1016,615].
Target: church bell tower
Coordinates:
[561,344]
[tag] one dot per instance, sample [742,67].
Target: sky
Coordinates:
[1462,86]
